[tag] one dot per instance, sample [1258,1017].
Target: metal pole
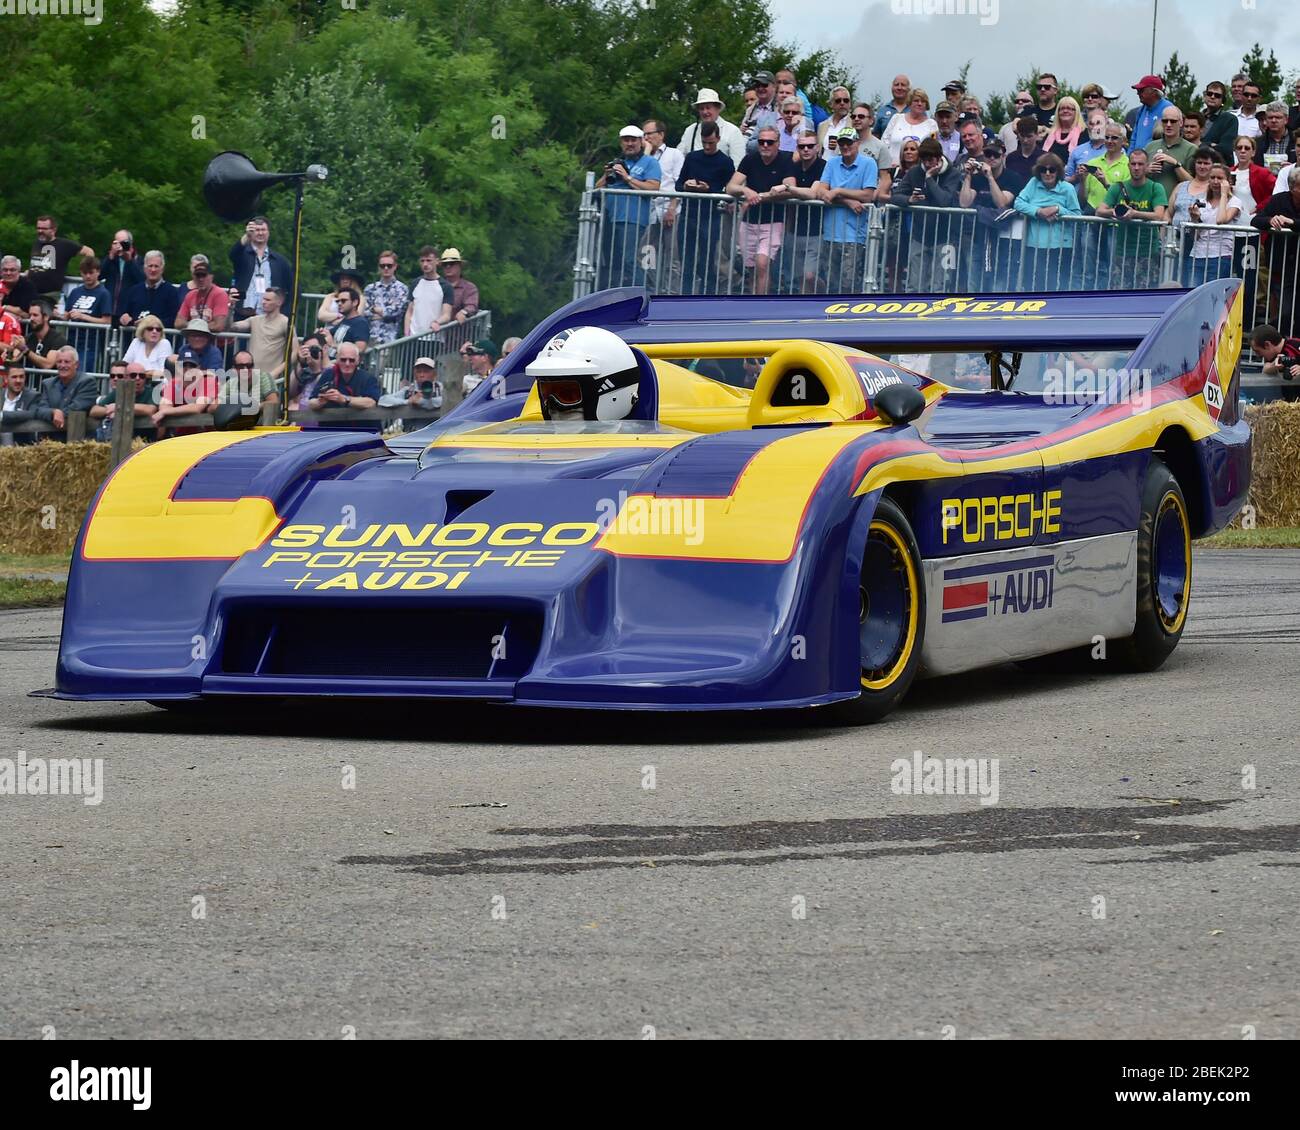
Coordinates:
[293,312]
[584,257]
[1155,14]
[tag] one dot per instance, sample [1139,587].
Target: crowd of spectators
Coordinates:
[184,343]
[1226,161]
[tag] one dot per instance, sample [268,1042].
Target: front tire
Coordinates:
[891,618]
[1164,573]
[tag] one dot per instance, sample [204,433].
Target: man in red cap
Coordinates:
[1143,121]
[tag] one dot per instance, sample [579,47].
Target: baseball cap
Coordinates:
[954,84]
[765,77]
[425,361]
[626,131]
[962,119]
[945,107]
[994,147]
[486,345]
[1147,81]
[846,133]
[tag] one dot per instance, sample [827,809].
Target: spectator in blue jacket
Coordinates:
[1045,200]
[257,267]
[154,296]
[627,217]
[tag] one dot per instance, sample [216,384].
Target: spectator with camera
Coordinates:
[256,267]
[627,217]
[479,356]
[421,389]
[1133,201]
[121,271]
[987,187]
[1281,354]
[345,384]
[762,114]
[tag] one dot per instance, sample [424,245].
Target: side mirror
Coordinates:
[898,404]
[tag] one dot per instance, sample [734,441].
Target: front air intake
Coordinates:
[390,643]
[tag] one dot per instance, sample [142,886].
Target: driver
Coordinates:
[586,374]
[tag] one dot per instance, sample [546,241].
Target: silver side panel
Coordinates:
[988,608]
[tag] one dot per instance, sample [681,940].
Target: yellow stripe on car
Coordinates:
[136,518]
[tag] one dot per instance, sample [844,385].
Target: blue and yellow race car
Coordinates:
[814,501]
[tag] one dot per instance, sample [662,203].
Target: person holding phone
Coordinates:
[1139,198]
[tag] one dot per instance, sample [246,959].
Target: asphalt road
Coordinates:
[593,906]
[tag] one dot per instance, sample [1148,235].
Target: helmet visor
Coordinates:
[564,395]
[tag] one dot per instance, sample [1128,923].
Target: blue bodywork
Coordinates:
[591,628]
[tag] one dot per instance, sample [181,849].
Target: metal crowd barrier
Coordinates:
[394,361]
[921,249]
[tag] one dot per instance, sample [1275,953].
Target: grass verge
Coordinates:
[19,592]
[1281,537]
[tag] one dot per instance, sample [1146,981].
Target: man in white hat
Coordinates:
[626,216]
[730,140]
[464,303]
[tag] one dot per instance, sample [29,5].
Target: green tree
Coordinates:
[1266,72]
[1180,84]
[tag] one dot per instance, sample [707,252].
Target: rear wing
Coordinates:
[910,323]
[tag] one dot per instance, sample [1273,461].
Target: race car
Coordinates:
[801,502]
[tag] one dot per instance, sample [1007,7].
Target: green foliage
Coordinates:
[1180,84]
[1266,72]
[451,121]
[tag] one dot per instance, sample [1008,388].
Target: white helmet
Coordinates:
[586,374]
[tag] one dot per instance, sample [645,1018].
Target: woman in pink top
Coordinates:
[1067,128]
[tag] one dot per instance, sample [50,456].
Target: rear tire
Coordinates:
[1164,573]
[891,619]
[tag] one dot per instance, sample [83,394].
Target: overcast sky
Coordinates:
[1106,41]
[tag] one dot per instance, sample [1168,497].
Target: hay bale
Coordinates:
[45,490]
[1275,465]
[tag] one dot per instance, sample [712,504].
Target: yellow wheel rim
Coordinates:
[889,612]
